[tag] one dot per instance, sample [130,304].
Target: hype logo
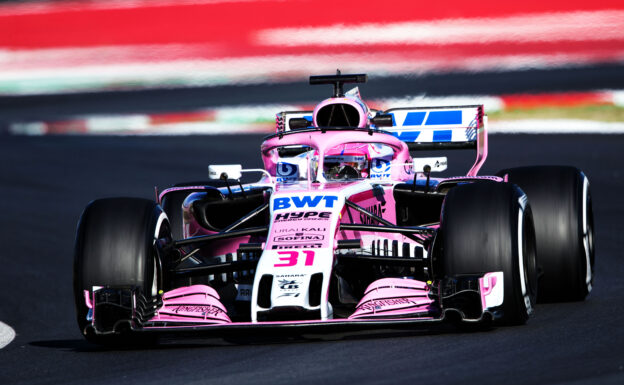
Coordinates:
[304,201]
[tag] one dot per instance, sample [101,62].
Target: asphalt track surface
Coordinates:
[58,107]
[47,181]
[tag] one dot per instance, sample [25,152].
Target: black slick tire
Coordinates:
[115,248]
[488,227]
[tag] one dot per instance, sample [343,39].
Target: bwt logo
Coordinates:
[304,201]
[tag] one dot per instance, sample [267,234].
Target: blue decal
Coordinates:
[444,117]
[306,200]
[393,120]
[287,169]
[442,135]
[329,200]
[287,172]
[380,165]
[416,118]
[281,203]
[308,118]
[407,136]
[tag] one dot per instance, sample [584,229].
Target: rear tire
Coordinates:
[115,247]
[564,227]
[488,227]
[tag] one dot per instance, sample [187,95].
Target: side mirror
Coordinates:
[382,120]
[436,164]
[298,123]
[225,171]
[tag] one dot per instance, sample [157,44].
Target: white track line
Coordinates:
[7,334]
[555,126]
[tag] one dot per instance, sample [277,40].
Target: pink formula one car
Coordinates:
[344,229]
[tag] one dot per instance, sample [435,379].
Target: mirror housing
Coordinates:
[224,171]
[298,123]
[437,164]
[382,120]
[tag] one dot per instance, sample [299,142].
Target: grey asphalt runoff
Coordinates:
[47,181]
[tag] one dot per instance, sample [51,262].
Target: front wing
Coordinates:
[387,303]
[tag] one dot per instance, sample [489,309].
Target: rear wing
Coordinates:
[430,128]
[442,128]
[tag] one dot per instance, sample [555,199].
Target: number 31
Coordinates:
[291,258]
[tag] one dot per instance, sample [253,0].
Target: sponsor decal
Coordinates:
[288,294]
[303,215]
[244,293]
[298,237]
[290,275]
[345,158]
[381,303]
[377,209]
[288,288]
[288,284]
[440,163]
[282,203]
[298,246]
[291,258]
[380,168]
[202,309]
[287,172]
[302,230]
[380,165]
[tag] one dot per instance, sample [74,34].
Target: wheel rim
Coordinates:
[588,234]
[529,258]
[162,231]
[526,256]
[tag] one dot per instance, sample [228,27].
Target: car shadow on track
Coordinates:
[165,342]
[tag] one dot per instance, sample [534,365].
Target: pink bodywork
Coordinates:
[491,288]
[394,297]
[355,102]
[388,298]
[197,304]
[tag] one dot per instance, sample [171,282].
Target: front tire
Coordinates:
[488,227]
[115,247]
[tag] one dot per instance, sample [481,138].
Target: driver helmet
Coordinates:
[347,161]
